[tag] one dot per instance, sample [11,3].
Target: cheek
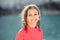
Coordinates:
[38,18]
[28,19]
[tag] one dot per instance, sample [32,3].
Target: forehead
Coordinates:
[32,10]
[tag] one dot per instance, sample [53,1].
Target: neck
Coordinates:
[32,25]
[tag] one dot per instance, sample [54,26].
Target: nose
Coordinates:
[33,17]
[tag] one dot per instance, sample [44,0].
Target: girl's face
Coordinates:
[32,16]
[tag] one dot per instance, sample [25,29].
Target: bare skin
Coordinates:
[32,17]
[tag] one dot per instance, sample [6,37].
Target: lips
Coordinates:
[34,20]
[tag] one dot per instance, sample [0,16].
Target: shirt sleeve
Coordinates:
[19,36]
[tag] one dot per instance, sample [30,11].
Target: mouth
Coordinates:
[34,20]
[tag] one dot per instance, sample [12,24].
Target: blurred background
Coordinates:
[10,20]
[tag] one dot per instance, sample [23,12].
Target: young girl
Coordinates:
[31,24]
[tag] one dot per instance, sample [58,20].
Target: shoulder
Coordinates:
[21,31]
[41,31]
[19,35]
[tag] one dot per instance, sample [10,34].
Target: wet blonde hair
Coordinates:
[24,14]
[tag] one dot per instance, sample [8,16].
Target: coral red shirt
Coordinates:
[32,34]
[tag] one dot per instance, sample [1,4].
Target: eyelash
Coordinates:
[30,15]
[34,14]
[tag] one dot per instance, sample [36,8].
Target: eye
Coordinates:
[35,14]
[29,14]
